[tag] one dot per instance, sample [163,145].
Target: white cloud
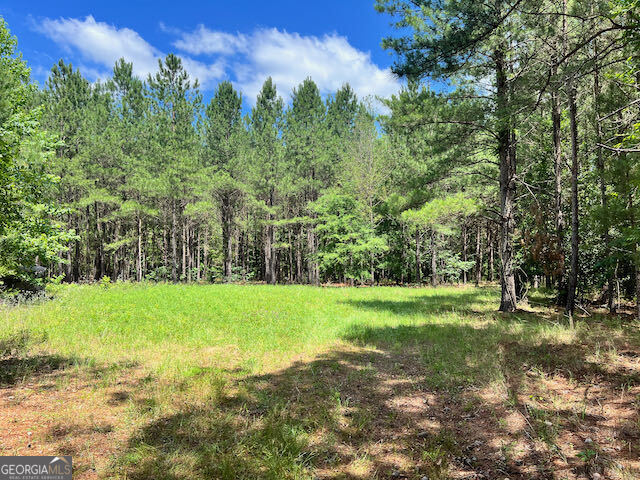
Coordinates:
[203,40]
[207,74]
[103,44]
[289,58]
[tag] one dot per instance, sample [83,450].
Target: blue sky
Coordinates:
[334,41]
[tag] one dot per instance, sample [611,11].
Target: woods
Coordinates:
[512,148]
[517,64]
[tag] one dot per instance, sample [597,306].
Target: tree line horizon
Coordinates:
[245,152]
[525,171]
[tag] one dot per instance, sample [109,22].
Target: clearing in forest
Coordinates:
[293,382]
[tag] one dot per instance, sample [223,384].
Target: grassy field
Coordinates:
[292,382]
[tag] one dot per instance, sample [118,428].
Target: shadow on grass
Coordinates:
[463,301]
[401,402]
[18,369]
[18,364]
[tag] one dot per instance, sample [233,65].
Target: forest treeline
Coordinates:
[520,163]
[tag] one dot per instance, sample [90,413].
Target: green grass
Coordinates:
[178,327]
[279,382]
[179,331]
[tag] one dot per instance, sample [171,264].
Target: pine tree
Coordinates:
[266,143]
[307,162]
[174,101]
[224,137]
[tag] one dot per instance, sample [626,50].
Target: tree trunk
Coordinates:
[637,271]
[478,256]
[373,269]
[165,246]
[100,261]
[418,258]
[573,275]
[636,252]
[206,253]
[227,240]
[76,263]
[402,256]
[199,256]
[557,169]
[184,251]
[490,253]
[291,262]
[174,243]
[189,252]
[116,256]
[314,274]
[506,152]
[464,252]
[299,256]
[139,259]
[68,277]
[434,259]
[606,238]
[269,254]
[245,252]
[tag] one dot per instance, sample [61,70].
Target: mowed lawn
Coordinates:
[292,382]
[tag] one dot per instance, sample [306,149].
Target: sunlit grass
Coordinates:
[256,327]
